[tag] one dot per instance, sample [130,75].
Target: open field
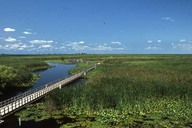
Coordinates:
[130,91]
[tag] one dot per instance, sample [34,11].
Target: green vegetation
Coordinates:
[31,63]
[15,71]
[80,67]
[39,112]
[15,77]
[130,91]
[59,61]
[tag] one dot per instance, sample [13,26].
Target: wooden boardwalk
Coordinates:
[15,103]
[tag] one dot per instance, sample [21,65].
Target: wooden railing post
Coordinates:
[1,121]
[60,86]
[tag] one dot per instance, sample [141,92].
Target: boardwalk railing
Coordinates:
[15,103]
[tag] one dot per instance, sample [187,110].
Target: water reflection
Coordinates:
[58,71]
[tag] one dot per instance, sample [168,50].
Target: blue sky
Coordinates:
[95,26]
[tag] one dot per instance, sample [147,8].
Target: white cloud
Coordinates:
[152,48]
[168,19]
[150,41]
[9,29]
[38,45]
[81,42]
[40,41]
[12,46]
[27,33]
[116,42]
[119,48]
[22,37]
[17,46]
[182,45]
[77,46]
[24,46]
[31,46]
[107,48]
[20,48]
[62,47]
[183,40]
[154,45]
[101,48]
[45,46]
[10,39]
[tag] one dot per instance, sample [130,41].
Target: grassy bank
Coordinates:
[59,61]
[80,67]
[132,91]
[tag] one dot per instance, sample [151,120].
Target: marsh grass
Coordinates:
[80,67]
[152,91]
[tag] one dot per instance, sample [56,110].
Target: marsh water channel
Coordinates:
[57,71]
